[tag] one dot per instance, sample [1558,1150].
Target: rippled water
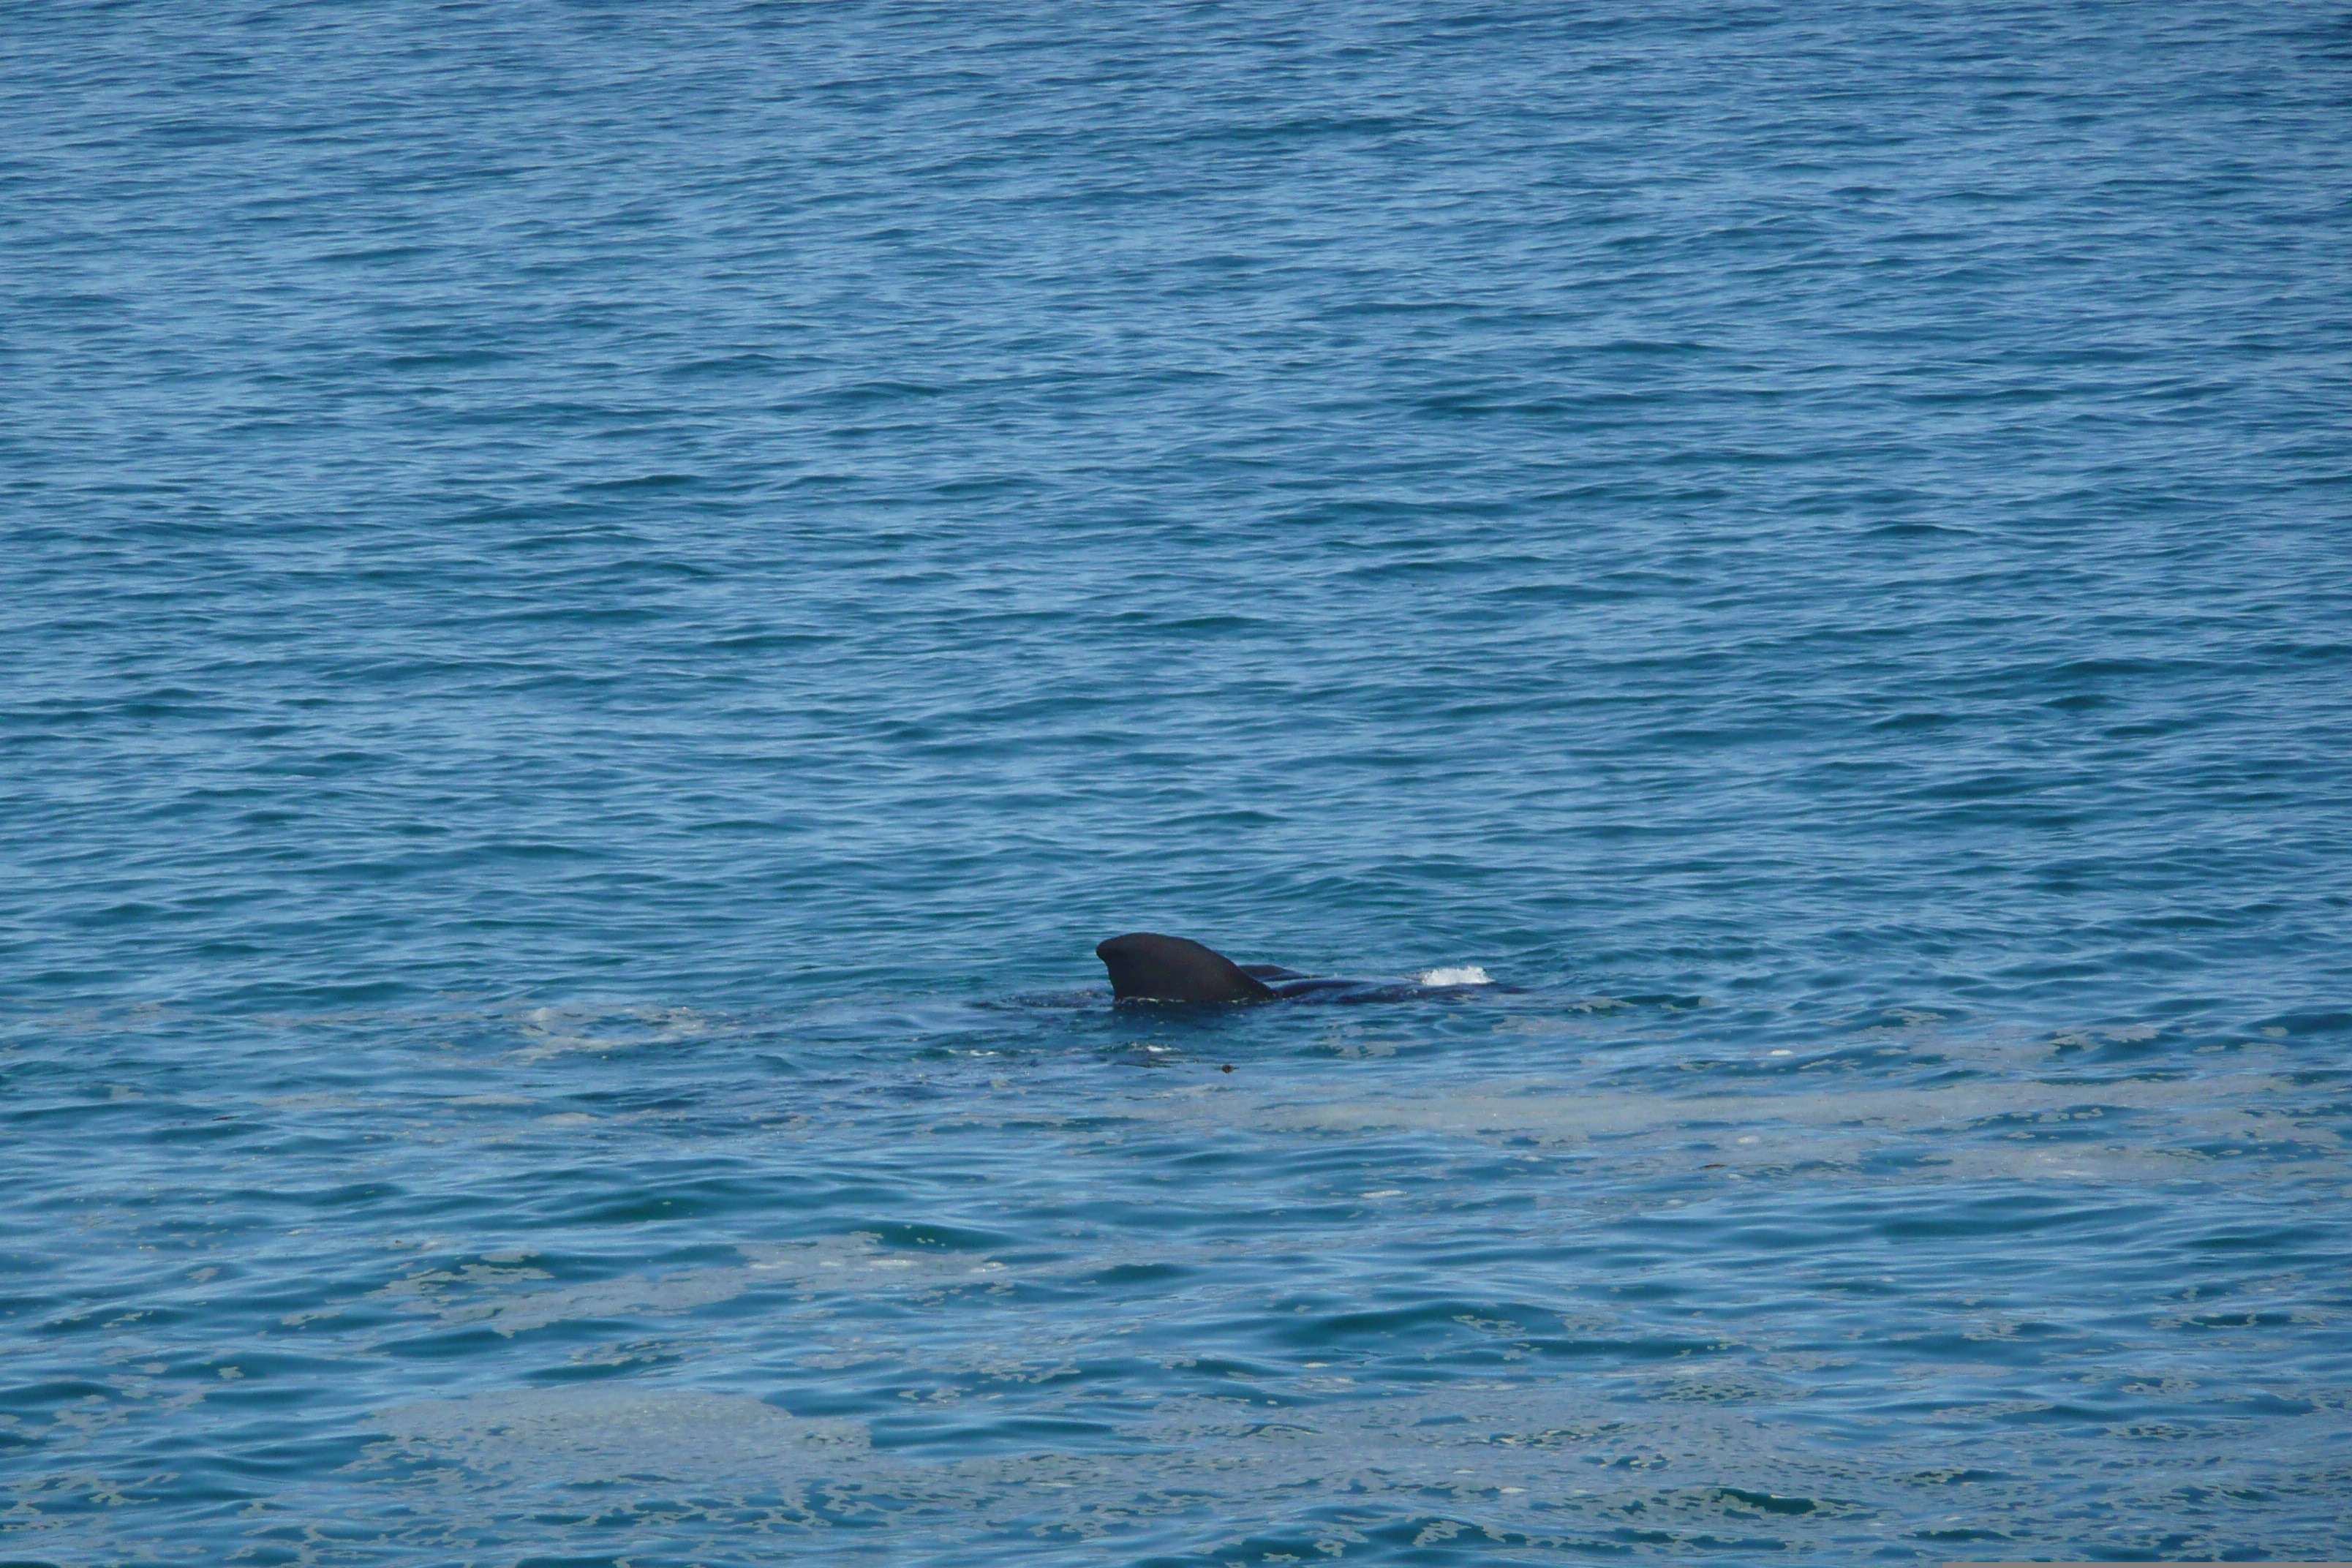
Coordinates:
[603,603]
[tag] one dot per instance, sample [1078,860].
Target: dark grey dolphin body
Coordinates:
[1147,967]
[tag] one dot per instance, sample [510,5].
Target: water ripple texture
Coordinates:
[603,604]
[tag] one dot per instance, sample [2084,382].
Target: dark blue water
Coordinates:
[603,603]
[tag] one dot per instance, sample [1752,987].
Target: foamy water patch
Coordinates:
[1539,1465]
[605,1432]
[1461,974]
[2225,1126]
[554,1030]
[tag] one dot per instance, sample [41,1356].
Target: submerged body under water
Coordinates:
[603,604]
[1148,969]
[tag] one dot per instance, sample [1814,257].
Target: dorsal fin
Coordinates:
[1147,967]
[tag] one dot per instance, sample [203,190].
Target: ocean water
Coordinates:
[603,603]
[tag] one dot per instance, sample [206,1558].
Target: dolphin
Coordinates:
[1145,966]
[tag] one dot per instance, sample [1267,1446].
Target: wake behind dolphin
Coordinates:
[1145,966]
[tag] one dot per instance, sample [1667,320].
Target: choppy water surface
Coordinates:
[603,603]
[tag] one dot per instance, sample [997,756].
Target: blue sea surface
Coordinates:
[603,603]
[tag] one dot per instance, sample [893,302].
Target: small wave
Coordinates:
[1465,974]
